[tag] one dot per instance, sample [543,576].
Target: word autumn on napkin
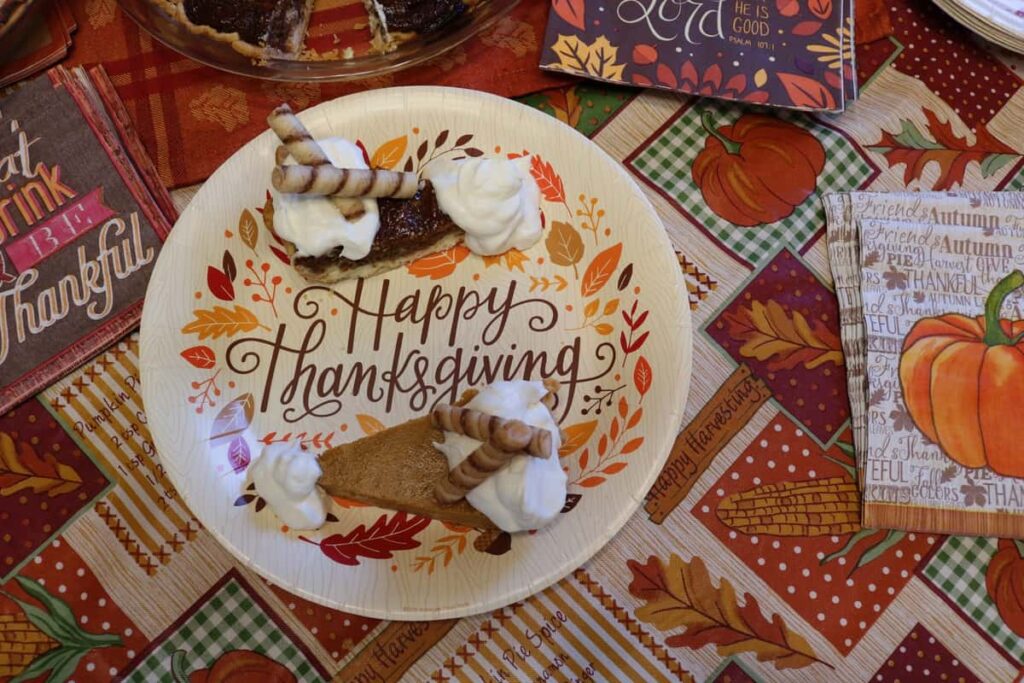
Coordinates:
[930,290]
[785,54]
[82,217]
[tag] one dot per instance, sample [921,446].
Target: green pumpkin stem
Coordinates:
[731,146]
[994,333]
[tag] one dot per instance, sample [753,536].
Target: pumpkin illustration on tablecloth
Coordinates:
[757,170]
[1004,580]
[237,666]
[963,383]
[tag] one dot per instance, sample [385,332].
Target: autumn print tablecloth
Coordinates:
[747,560]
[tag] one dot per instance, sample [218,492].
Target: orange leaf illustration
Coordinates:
[439,265]
[610,307]
[787,8]
[220,322]
[201,357]
[591,482]
[951,153]
[604,329]
[769,333]
[514,260]
[550,183]
[642,375]
[807,92]
[575,436]
[369,423]
[584,459]
[614,468]
[247,228]
[820,8]
[681,595]
[613,431]
[572,11]
[22,468]
[590,309]
[631,445]
[634,419]
[348,504]
[564,245]
[390,153]
[600,270]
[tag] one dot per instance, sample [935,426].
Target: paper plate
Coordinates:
[239,351]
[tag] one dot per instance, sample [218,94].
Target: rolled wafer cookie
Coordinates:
[471,472]
[508,435]
[344,182]
[304,149]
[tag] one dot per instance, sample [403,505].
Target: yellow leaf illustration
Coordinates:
[390,153]
[369,424]
[760,77]
[575,436]
[783,339]
[22,468]
[247,229]
[564,245]
[610,307]
[604,329]
[219,321]
[601,62]
[514,260]
[590,309]
[597,59]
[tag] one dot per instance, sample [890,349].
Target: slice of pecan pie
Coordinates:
[255,28]
[409,229]
[393,22]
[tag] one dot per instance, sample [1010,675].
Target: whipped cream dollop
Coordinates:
[315,225]
[285,477]
[528,492]
[494,200]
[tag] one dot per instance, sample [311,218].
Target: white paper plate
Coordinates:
[1001,21]
[600,302]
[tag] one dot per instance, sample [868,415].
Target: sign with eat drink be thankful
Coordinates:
[79,233]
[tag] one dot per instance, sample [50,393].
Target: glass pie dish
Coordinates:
[337,42]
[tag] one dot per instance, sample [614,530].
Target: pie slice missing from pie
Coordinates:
[393,22]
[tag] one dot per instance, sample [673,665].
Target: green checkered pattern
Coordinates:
[667,159]
[958,571]
[230,620]
[1017,184]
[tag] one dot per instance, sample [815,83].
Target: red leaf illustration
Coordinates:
[600,270]
[807,92]
[636,343]
[912,147]
[665,76]
[281,255]
[642,375]
[549,182]
[378,542]
[787,8]
[201,357]
[820,8]
[233,418]
[806,28]
[220,284]
[572,11]
[238,454]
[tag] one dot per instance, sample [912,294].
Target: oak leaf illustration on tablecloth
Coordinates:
[782,338]
[22,468]
[680,594]
[952,153]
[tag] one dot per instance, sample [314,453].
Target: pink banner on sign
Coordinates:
[58,231]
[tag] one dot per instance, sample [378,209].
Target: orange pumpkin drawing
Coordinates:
[963,381]
[1004,580]
[758,170]
[237,666]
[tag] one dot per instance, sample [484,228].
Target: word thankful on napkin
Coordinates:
[936,364]
[82,217]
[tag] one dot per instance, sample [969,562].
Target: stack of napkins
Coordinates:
[41,39]
[931,299]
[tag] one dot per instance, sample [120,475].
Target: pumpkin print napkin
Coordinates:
[930,290]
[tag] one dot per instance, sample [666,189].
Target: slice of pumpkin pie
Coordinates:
[488,462]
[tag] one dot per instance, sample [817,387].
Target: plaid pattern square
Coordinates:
[665,161]
[957,571]
[229,620]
